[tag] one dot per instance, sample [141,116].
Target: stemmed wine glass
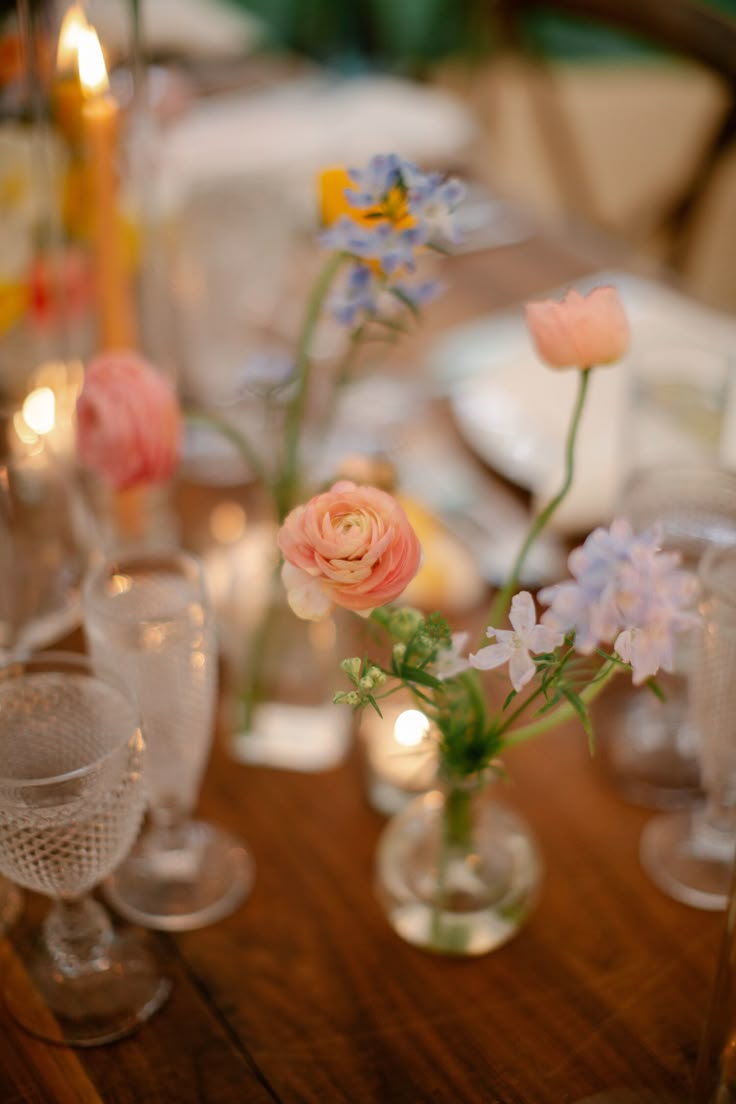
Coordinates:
[649,747]
[149,617]
[45,535]
[71,804]
[689,854]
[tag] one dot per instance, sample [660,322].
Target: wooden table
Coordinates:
[306,995]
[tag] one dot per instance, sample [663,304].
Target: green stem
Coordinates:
[457,837]
[211,421]
[257,656]
[457,820]
[342,376]
[500,606]
[565,711]
[508,722]
[286,485]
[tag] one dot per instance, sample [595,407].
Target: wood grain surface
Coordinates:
[306,996]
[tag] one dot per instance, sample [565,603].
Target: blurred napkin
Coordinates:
[514,412]
[190,28]
[291,131]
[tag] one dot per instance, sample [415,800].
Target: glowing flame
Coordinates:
[410,728]
[72,27]
[92,70]
[39,410]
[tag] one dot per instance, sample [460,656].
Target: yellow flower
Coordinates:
[334,205]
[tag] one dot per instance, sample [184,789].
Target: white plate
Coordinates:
[514,412]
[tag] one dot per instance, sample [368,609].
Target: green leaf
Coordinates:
[581,709]
[374,703]
[549,704]
[408,303]
[422,678]
[391,324]
[652,685]
[508,701]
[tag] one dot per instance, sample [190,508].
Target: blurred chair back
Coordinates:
[689,29]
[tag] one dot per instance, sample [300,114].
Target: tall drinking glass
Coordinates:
[46,532]
[71,805]
[148,616]
[689,854]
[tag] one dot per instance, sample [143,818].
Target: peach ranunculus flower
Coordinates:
[128,421]
[350,546]
[582,330]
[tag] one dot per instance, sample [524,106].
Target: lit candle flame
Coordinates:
[410,728]
[39,410]
[92,70]
[72,27]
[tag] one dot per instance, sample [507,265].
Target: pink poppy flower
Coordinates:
[581,331]
[350,546]
[128,421]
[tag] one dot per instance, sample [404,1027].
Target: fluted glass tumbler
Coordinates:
[46,532]
[689,854]
[71,805]
[148,616]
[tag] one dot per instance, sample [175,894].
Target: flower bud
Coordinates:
[352,666]
[405,622]
[348,697]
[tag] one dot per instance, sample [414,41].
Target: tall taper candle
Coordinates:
[101,121]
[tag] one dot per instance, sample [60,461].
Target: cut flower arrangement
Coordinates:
[382,226]
[452,877]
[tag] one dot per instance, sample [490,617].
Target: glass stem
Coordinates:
[719,814]
[168,824]
[78,934]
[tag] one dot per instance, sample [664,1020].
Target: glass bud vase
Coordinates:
[281,675]
[457,872]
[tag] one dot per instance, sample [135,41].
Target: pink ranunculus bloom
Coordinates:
[581,331]
[129,423]
[350,546]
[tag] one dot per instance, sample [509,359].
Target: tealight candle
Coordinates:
[50,407]
[400,754]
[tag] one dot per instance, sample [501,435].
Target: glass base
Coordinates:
[465,902]
[182,878]
[109,1001]
[688,859]
[646,748]
[11,902]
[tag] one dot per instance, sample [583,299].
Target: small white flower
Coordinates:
[517,645]
[449,662]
